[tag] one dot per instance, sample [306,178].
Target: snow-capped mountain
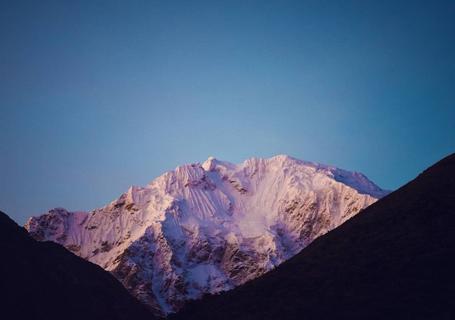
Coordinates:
[206,228]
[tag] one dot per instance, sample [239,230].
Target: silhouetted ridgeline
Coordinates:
[394,260]
[42,280]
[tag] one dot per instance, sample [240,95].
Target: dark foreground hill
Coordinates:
[42,280]
[394,260]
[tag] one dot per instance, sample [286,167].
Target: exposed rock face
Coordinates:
[211,227]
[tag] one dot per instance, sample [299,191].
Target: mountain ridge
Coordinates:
[42,280]
[393,260]
[211,226]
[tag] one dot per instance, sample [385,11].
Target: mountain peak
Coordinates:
[393,260]
[282,158]
[206,228]
[210,163]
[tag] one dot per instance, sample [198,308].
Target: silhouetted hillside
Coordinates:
[42,280]
[394,260]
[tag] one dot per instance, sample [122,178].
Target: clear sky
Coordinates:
[96,96]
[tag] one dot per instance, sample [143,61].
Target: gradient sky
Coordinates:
[96,96]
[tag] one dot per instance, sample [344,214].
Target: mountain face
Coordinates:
[43,280]
[207,228]
[394,260]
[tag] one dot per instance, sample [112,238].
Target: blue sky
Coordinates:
[96,96]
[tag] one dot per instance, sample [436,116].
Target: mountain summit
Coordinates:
[394,260]
[207,228]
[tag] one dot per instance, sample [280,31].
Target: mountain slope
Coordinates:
[42,280]
[207,228]
[394,260]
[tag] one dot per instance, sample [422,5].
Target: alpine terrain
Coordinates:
[43,280]
[394,260]
[207,228]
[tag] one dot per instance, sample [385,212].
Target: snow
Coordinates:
[205,228]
